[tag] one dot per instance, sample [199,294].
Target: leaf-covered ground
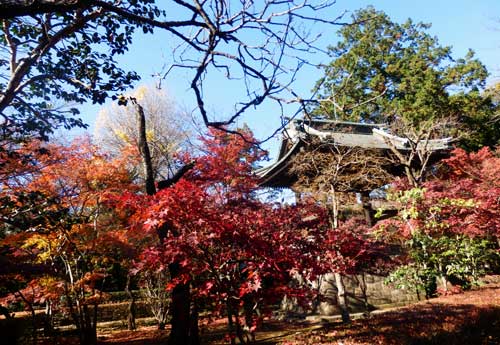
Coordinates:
[470,318]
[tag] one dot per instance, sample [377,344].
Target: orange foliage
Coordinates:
[61,210]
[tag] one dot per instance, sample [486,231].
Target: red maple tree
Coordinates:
[237,252]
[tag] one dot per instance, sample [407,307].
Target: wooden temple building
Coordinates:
[299,134]
[378,157]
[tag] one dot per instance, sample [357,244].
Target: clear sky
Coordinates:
[462,24]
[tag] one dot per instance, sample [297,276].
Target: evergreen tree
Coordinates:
[383,71]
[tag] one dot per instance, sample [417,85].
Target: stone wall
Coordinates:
[364,292]
[119,311]
[113,312]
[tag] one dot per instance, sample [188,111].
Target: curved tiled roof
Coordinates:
[340,133]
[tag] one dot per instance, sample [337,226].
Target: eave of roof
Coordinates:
[298,130]
[267,174]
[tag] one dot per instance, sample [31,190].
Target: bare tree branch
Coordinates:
[261,44]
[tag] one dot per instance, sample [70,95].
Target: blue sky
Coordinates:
[461,24]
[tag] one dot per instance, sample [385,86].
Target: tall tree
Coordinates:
[148,123]
[482,120]
[385,71]
[167,129]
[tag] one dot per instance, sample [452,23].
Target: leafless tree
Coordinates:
[167,129]
[261,45]
[335,173]
[324,164]
[156,296]
[425,145]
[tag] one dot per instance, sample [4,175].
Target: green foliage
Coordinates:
[467,259]
[414,277]
[384,71]
[435,249]
[461,260]
[407,277]
[480,119]
[449,226]
[55,61]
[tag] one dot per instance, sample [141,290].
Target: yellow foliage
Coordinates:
[44,245]
[122,135]
[150,135]
[140,93]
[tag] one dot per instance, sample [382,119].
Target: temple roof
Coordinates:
[339,133]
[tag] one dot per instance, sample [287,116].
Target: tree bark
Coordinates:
[335,208]
[181,321]
[342,298]
[131,306]
[179,334]
[48,326]
[363,287]
[13,8]
[33,317]
[183,330]
[411,176]
[143,147]
[367,209]
[194,335]
[341,293]
[88,325]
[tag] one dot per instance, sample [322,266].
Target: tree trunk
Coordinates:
[230,324]
[248,307]
[194,335]
[410,176]
[367,209]
[88,325]
[33,317]
[183,329]
[335,208]
[363,287]
[34,331]
[88,336]
[143,146]
[48,326]
[131,306]
[180,311]
[9,328]
[179,334]
[341,293]
[342,298]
